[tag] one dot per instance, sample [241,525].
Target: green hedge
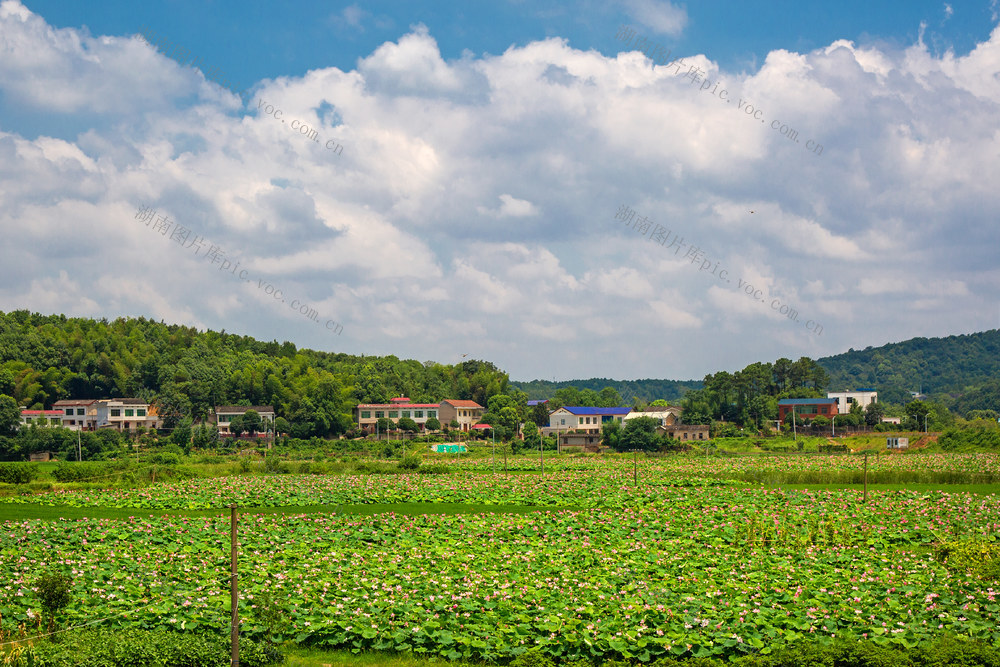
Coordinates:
[18,473]
[132,647]
[946,652]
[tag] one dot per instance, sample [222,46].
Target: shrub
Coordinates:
[165,458]
[980,558]
[128,647]
[54,593]
[18,473]
[410,462]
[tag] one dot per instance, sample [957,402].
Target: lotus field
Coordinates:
[685,564]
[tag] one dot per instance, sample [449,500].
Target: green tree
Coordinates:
[611,433]
[915,412]
[408,425]
[540,415]
[639,434]
[10,415]
[236,426]
[281,426]
[55,591]
[252,423]
[874,413]
[182,433]
[432,424]
[532,438]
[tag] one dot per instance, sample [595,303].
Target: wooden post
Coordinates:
[635,467]
[865,499]
[234,594]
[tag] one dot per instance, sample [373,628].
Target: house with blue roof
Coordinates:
[572,417]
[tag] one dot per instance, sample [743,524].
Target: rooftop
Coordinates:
[578,410]
[806,401]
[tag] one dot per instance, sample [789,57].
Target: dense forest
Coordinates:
[44,358]
[645,391]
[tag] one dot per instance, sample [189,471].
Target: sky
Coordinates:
[625,189]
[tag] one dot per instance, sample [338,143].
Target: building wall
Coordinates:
[465,416]
[845,398]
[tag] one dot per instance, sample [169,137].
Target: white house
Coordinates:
[573,417]
[845,399]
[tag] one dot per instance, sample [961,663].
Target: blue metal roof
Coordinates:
[537,402]
[805,401]
[576,410]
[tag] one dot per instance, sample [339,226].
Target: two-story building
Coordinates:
[573,417]
[807,408]
[85,414]
[845,399]
[367,414]
[467,413]
[222,416]
[129,414]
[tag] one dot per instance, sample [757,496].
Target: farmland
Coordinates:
[695,560]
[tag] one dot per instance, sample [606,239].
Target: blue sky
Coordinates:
[255,39]
[506,181]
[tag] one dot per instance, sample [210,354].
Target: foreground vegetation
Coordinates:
[647,560]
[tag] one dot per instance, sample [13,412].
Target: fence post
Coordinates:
[865,498]
[234,594]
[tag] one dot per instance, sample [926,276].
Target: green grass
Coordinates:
[19,512]
[299,657]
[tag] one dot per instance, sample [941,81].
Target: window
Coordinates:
[379,414]
[393,414]
[55,421]
[129,412]
[79,411]
[432,413]
[418,414]
[366,414]
[562,422]
[140,412]
[406,413]
[69,411]
[116,412]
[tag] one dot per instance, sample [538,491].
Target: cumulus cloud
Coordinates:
[473,204]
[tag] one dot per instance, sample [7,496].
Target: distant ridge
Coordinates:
[943,368]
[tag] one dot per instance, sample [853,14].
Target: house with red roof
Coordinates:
[367,414]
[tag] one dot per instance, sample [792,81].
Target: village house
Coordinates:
[466,413]
[576,418]
[222,416]
[367,414]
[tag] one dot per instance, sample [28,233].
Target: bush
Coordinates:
[165,458]
[410,462]
[77,472]
[131,646]
[18,473]
[981,559]
[55,590]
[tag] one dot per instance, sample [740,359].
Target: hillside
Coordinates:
[647,390]
[963,372]
[934,366]
[44,358]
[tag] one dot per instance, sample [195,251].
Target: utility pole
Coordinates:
[865,498]
[79,455]
[234,594]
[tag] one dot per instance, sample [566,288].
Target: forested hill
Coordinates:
[935,366]
[44,358]
[962,372]
[647,390]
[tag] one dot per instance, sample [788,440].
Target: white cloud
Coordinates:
[473,205]
[661,16]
